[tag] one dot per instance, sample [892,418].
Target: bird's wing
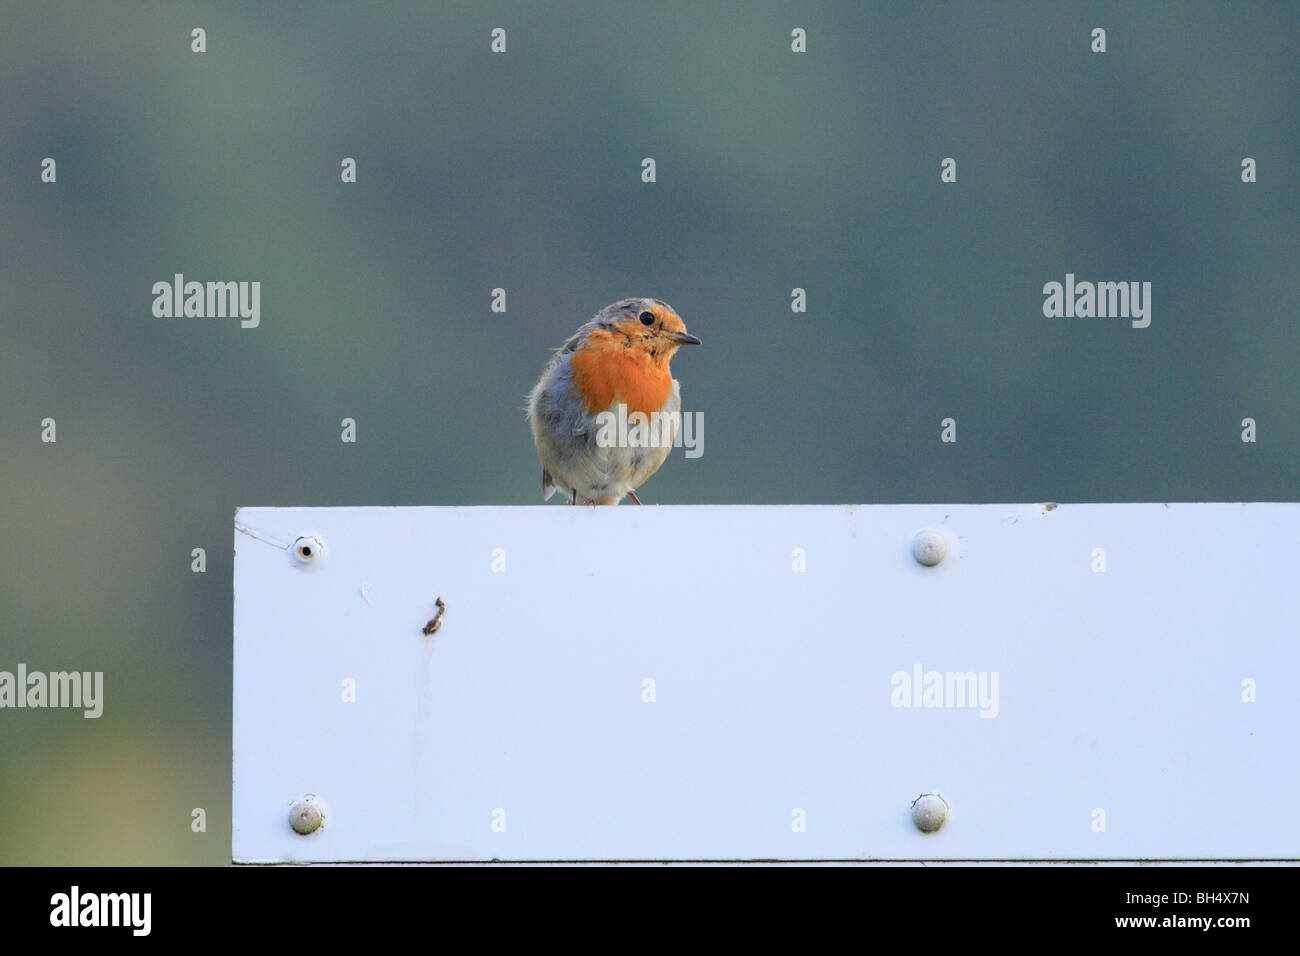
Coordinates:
[578,337]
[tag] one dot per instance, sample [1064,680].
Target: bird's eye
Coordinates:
[647,318]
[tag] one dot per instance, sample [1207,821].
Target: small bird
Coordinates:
[619,358]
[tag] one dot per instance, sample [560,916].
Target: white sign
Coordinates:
[1111,681]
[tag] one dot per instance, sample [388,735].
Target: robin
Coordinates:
[614,365]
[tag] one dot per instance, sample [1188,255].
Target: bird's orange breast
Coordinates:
[607,371]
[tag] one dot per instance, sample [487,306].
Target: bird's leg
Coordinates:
[573,497]
[634,497]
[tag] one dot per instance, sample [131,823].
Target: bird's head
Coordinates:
[649,325]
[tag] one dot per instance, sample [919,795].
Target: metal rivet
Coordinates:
[929,548]
[309,549]
[307,815]
[929,811]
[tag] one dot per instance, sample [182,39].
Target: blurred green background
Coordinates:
[522,171]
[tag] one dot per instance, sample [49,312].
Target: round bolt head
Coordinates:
[306,815]
[929,812]
[929,548]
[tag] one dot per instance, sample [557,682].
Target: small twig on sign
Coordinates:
[435,622]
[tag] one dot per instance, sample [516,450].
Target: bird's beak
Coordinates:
[683,338]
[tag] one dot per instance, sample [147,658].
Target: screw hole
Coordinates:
[308,549]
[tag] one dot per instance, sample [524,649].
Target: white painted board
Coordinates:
[1148,710]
